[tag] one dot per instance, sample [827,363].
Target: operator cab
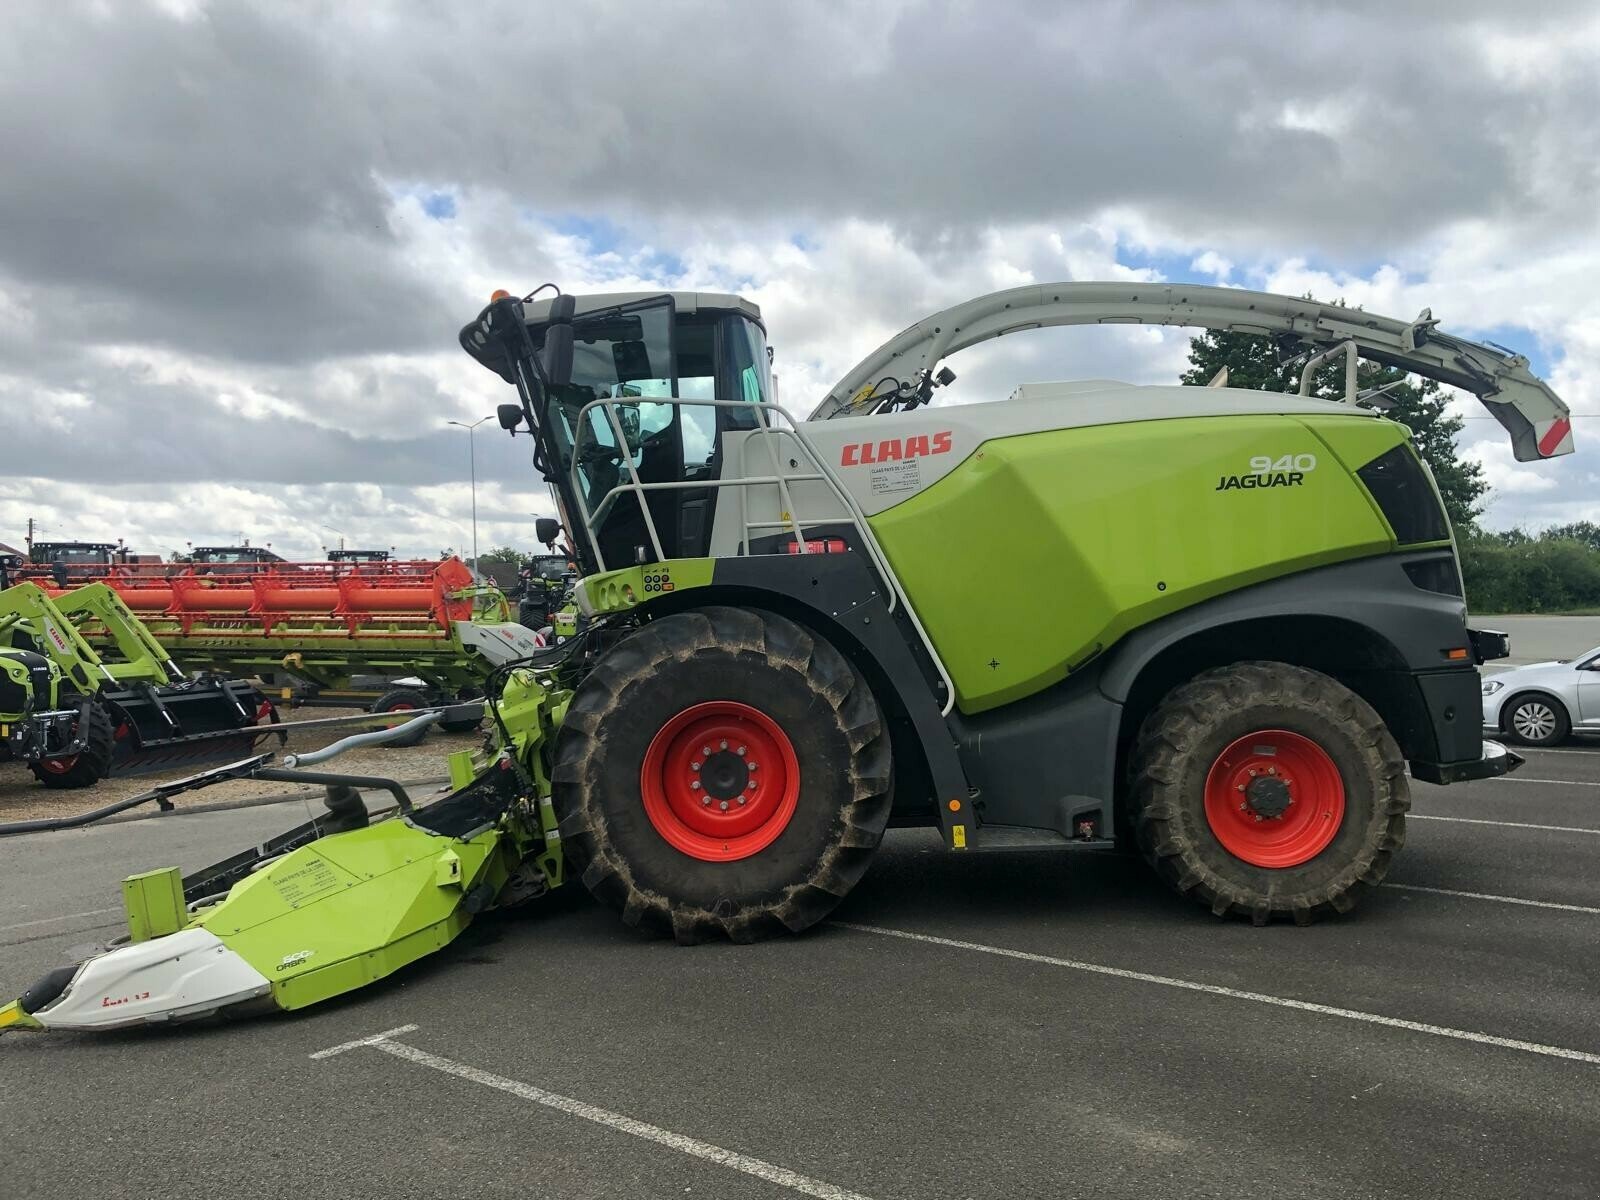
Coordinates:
[646,349]
[68,561]
[73,554]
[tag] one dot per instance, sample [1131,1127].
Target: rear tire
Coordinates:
[650,750]
[87,767]
[402,700]
[1219,768]
[1536,720]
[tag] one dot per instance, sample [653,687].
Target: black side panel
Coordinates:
[1046,762]
[1454,701]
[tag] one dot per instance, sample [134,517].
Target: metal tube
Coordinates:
[472,468]
[633,474]
[372,782]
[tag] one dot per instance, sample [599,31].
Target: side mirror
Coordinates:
[510,417]
[558,355]
[632,422]
[631,360]
[547,530]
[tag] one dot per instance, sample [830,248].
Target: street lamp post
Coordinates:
[472,466]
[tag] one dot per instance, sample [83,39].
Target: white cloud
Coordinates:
[225,308]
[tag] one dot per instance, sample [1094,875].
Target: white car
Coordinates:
[1539,705]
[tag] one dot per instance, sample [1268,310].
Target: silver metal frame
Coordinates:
[770,420]
[1351,354]
[1523,404]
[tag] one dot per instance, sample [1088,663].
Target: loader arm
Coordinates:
[1538,421]
[142,658]
[26,609]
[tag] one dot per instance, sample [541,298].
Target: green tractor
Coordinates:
[1228,625]
[75,717]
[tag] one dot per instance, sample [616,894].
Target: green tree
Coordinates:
[505,554]
[1586,532]
[1253,362]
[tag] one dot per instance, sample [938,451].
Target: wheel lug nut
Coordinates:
[751,786]
[754,765]
[740,751]
[1252,772]
[1258,816]
[694,766]
[723,806]
[706,750]
[724,745]
[695,786]
[706,802]
[1272,770]
[1241,787]
[741,799]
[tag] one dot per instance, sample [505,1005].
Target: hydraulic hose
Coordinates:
[376,738]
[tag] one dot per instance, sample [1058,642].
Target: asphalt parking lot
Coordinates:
[1038,1023]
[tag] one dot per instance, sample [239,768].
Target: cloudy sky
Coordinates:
[237,240]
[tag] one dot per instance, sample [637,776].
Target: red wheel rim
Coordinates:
[1274,798]
[59,766]
[720,781]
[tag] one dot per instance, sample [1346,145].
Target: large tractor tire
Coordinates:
[87,767]
[1263,790]
[722,772]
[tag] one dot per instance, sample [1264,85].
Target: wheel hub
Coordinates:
[724,776]
[1268,796]
[1274,798]
[720,781]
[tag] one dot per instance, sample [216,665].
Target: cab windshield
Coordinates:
[645,353]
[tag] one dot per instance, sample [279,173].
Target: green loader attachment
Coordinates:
[75,715]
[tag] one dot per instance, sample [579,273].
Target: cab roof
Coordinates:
[538,311]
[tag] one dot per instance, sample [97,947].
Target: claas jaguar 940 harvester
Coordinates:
[1225,626]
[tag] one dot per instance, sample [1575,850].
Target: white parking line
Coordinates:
[1189,985]
[93,912]
[1504,824]
[1563,782]
[680,1142]
[374,1040]
[1412,887]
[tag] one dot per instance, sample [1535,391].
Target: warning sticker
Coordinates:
[903,476]
[306,882]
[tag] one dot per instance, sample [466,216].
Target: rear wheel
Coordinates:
[1264,789]
[1537,721]
[723,772]
[402,700]
[87,767]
